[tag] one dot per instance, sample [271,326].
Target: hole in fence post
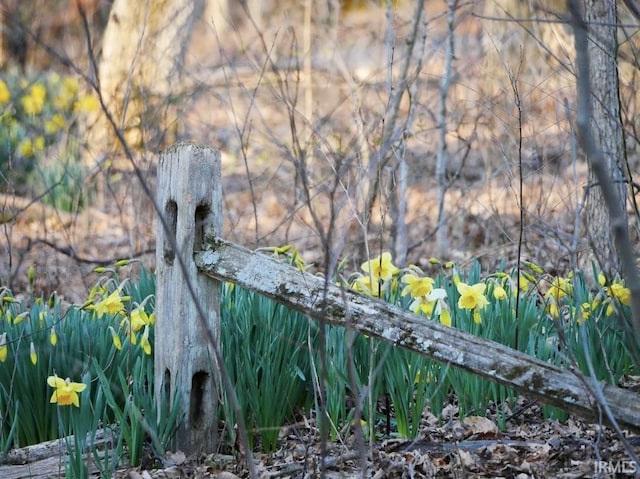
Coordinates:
[202,212]
[171,211]
[199,386]
[166,386]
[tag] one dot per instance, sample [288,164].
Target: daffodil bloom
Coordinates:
[477,317]
[38,144]
[18,319]
[622,294]
[115,338]
[54,124]
[523,282]
[364,284]
[416,286]
[4,350]
[438,297]
[445,317]
[422,305]
[380,267]
[86,103]
[499,292]
[112,304]
[53,336]
[584,313]
[33,103]
[472,297]
[5,94]
[552,309]
[559,288]
[602,279]
[32,354]
[139,319]
[25,148]
[144,341]
[66,392]
[437,294]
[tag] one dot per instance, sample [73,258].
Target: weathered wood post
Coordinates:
[189,196]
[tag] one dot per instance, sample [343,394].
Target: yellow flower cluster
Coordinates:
[33,102]
[380,276]
[112,304]
[40,110]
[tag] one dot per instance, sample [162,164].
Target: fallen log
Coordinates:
[567,389]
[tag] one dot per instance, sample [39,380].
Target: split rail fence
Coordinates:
[189,243]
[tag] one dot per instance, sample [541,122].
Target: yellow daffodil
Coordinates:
[365,285]
[70,85]
[139,319]
[66,392]
[144,341]
[380,267]
[33,102]
[552,309]
[53,336]
[472,296]
[32,354]
[584,313]
[559,288]
[86,103]
[438,296]
[38,144]
[115,338]
[621,293]
[416,286]
[499,292]
[4,350]
[5,94]
[25,148]
[112,304]
[54,124]
[523,283]
[445,317]
[18,319]
[422,305]
[602,279]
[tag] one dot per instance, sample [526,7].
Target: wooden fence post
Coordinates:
[189,196]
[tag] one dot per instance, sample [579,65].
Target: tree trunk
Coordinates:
[600,17]
[144,47]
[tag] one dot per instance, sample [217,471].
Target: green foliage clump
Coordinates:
[284,366]
[72,369]
[38,152]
